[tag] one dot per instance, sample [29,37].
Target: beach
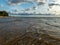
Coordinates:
[12,27]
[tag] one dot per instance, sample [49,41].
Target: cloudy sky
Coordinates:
[31,5]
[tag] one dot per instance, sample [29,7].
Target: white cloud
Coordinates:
[57,2]
[37,9]
[55,7]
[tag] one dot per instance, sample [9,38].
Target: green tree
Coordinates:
[3,13]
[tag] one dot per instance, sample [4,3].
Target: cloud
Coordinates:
[27,9]
[32,9]
[55,9]
[1,6]
[55,6]
[17,2]
[55,2]
[52,4]
[14,2]
[40,2]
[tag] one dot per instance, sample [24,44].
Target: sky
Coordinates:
[30,5]
[4,4]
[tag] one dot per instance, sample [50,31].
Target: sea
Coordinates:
[43,15]
[14,25]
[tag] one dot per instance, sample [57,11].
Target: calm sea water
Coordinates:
[49,25]
[35,15]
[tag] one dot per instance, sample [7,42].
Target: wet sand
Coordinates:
[13,27]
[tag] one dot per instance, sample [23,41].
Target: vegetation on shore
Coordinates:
[3,13]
